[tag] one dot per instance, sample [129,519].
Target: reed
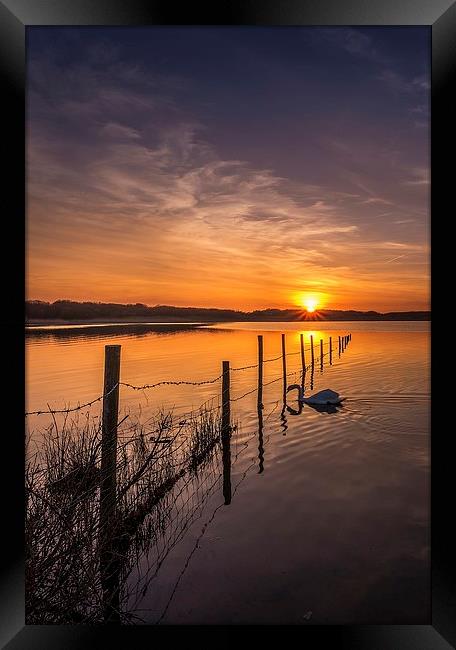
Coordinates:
[64,576]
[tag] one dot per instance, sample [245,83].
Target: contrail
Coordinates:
[394,258]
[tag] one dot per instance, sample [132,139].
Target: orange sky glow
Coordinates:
[141,189]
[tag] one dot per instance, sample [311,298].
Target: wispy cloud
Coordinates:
[421,109]
[377,199]
[420,176]
[393,245]
[119,131]
[129,197]
[397,82]
[421,82]
[357,43]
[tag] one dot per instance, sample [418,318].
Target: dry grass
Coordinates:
[63,576]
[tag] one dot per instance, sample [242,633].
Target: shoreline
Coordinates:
[54,322]
[131,321]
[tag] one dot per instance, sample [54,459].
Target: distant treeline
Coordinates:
[67,310]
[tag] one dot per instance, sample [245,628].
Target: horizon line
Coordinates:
[246,311]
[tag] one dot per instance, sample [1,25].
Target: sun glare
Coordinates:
[310,304]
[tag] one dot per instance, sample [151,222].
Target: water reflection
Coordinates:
[260,440]
[260,406]
[226,460]
[334,475]
[283,418]
[93,332]
[110,573]
[325,408]
[290,409]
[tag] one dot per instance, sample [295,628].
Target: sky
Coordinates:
[237,167]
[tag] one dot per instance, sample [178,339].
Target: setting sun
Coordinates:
[310,304]
[216,240]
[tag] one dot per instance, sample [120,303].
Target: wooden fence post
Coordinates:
[226,432]
[109,432]
[312,350]
[108,570]
[330,351]
[260,370]
[321,354]
[303,354]
[225,397]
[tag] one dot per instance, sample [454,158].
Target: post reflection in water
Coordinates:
[290,409]
[260,406]
[226,460]
[199,496]
[260,440]
[284,368]
[110,566]
[283,418]
[226,433]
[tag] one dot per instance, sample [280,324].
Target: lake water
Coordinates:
[329,514]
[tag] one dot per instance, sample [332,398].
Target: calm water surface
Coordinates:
[329,515]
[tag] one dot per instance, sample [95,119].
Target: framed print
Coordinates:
[220,227]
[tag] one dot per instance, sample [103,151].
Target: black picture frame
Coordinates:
[15,16]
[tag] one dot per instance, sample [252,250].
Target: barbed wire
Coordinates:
[50,411]
[147,578]
[149,478]
[171,383]
[76,408]
[204,382]
[287,354]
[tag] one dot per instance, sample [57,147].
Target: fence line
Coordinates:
[183,419]
[70,410]
[343,342]
[171,383]
[122,494]
[112,391]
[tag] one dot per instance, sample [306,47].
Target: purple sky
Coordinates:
[234,167]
